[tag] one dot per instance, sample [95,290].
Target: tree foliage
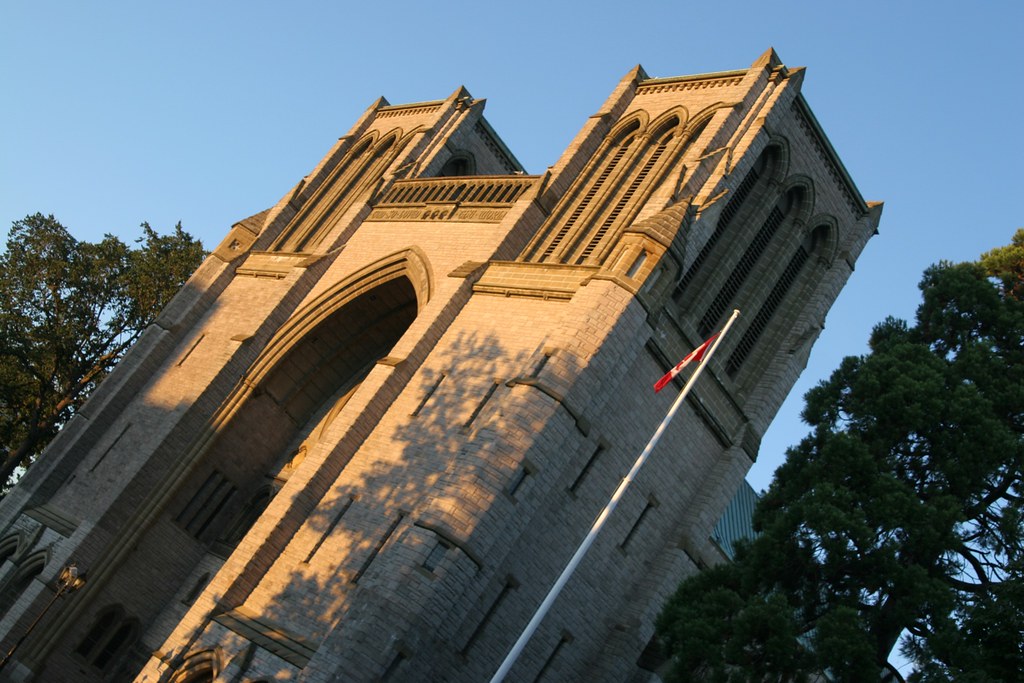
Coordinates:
[1007,265]
[901,512]
[69,310]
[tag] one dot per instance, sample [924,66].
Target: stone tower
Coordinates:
[365,438]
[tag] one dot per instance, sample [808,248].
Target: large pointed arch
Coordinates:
[411,264]
[302,380]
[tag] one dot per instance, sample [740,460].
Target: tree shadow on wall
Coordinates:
[399,551]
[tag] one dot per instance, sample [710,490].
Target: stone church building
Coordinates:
[364,439]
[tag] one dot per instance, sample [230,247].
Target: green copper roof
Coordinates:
[736,521]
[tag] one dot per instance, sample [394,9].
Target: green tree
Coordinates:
[1007,265]
[901,512]
[69,310]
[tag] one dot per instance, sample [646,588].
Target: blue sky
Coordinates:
[116,113]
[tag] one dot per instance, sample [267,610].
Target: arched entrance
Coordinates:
[294,401]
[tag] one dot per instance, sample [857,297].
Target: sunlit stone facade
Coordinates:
[364,439]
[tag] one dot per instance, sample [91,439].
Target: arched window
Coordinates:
[22,579]
[611,159]
[198,668]
[460,164]
[247,516]
[659,142]
[326,200]
[757,178]
[787,205]
[357,171]
[8,547]
[362,176]
[109,637]
[815,242]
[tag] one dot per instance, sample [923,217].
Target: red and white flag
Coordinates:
[694,356]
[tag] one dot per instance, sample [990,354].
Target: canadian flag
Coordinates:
[694,356]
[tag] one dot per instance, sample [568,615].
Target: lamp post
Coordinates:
[69,580]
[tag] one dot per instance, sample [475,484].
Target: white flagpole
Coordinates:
[545,606]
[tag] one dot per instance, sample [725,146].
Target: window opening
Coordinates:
[768,308]
[584,202]
[103,624]
[480,406]
[324,203]
[586,468]
[330,529]
[436,555]
[460,165]
[376,550]
[742,270]
[8,547]
[562,642]
[426,396]
[637,264]
[116,644]
[248,516]
[373,165]
[732,207]
[22,581]
[613,215]
[510,585]
[651,504]
[110,636]
[206,504]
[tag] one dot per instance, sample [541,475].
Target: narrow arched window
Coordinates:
[357,172]
[8,547]
[100,629]
[786,205]
[366,172]
[651,156]
[247,516]
[459,165]
[758,175]
[613,156]
[326,201]
[20,582]
[116,644]
[814,242]
[109,637]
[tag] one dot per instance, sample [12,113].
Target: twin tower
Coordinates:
[363,441]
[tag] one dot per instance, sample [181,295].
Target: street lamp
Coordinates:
[69,580]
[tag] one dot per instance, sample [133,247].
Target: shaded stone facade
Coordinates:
[364,439]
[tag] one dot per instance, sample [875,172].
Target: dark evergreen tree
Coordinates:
[68,311]
[901,513]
